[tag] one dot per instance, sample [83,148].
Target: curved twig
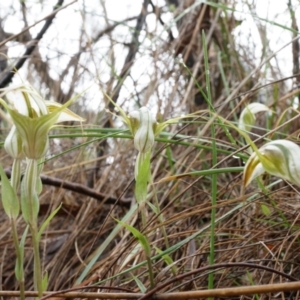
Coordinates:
[79,188]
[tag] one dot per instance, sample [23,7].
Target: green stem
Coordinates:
[16,174]
[19,259]
[213,211]
[15,183]
[143,215]
[214,162]
[150,270]
[37,261]
[22,289]
[143,176]
[148,254]
[30,210]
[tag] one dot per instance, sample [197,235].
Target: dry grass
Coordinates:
[260,227]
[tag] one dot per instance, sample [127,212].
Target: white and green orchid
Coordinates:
[247,117]
[143,126]
[280,158]
[32,119]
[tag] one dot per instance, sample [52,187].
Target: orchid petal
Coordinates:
[253,169]
[66,115]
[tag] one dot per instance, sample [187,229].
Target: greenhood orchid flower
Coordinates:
[280,158]
[140,122]
[247,117]
[32,118]
[143,125]
[144,129]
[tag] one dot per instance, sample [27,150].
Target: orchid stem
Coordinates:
[15,183]
[19,258]
[37,261]
[30,209]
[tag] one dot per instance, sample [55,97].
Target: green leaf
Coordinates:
[19,273]
[19,269]
[265,209]
[24,203]
[141,286]
[166,257]
[47,221]
[168,260]
[9,198]
[45,282]
[28,210]
[39,185]
[153,207]
[138,235]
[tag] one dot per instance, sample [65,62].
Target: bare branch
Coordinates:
[79,188]
[133,49]
[8,78]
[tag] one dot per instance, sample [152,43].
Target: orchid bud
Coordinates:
[143,128]
[247,117]
[13,144]
[280,158]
